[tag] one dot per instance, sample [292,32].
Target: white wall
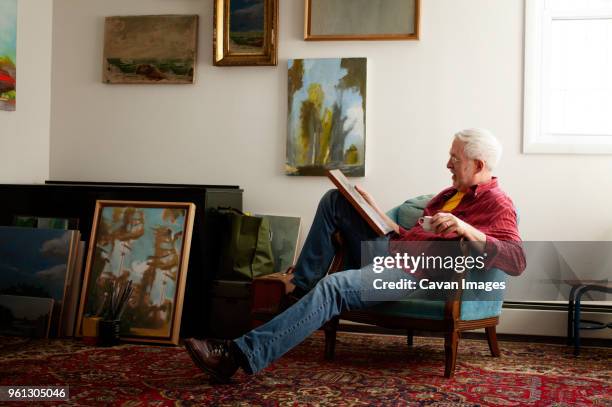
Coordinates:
[230,127]
[24,133]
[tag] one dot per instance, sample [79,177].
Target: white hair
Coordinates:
[481,144]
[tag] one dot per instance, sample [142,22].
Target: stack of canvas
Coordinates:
[40,277]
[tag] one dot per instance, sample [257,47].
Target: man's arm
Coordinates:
[445,223]
[501,241]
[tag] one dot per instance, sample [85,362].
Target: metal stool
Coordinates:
[574,323]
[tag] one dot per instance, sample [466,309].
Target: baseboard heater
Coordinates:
[528,319]
[550,319]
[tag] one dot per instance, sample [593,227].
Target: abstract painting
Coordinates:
[245,32]
[150,49]
[25,316]
[326,116]
[8,54]
[148,243]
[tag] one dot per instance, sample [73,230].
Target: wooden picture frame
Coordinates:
[148,243]
[247,45]
[345,20]
[150,49]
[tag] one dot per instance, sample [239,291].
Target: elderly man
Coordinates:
[474,209]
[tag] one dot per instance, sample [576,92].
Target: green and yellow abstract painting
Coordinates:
[326,116]
[8,54]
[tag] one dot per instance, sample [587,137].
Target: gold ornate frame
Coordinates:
[308,36]
[222,56]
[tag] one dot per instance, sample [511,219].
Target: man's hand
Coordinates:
[368,198]
[445,223]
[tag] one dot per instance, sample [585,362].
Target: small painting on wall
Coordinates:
[147,243]
[245,32]
[326,116]
[8,54]
[333,20]
[150,49]
[247,24]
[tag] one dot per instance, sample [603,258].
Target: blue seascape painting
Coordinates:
[33,261]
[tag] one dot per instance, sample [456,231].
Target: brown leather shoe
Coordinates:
[214,357]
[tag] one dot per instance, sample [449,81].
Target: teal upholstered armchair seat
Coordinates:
[407,215]
[417,313]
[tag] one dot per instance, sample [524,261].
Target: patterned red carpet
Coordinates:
[368,370]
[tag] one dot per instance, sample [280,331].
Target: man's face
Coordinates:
[463,169]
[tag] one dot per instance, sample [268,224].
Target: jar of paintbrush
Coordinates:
[115,301]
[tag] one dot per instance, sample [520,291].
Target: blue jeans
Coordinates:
[328,295]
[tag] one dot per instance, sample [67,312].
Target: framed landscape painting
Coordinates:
[150,49]
[326,116]
[39,263]
[8,54]
[148,243]
[25,316]
[332,20]
[245,32]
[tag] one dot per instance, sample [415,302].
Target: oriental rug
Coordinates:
[368,370]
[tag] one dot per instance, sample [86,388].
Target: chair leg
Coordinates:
[451,342]
[409,337]
[330,328]
[492,339]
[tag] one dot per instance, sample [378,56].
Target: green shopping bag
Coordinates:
[246,251]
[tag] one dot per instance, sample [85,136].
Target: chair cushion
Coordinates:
[408,213]
[472,310]
[412,308]
[434,309]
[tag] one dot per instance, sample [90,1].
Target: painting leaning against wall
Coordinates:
[8,54]
[326,116]
[148,243]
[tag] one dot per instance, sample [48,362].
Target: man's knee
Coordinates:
[337,282]
[329,197]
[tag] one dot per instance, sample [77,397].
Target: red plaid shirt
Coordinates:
[487,208]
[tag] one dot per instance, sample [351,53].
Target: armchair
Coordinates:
[450,317]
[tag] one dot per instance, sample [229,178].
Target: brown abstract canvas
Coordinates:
[150,49]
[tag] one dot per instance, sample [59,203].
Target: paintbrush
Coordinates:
[101,307]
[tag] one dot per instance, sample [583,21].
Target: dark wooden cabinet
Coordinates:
[65,199]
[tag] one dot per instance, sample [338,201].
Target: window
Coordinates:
[568,77]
